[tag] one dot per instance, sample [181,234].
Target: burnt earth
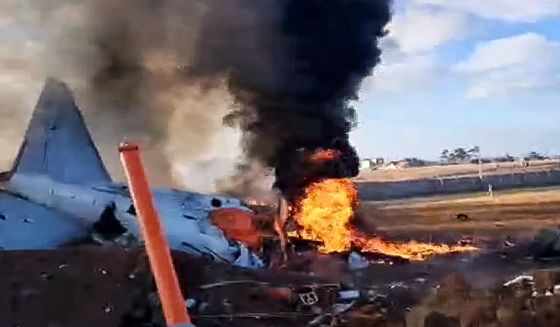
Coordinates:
[87,286]
[111,286]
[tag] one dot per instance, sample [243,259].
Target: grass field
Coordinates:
[388,175]
[517,212]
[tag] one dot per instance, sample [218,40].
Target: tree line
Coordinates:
[462,155]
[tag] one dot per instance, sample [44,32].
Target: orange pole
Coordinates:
[172,301]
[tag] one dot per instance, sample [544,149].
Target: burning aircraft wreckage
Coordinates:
[59,193]
[292,67]
[59,177]
[58,198]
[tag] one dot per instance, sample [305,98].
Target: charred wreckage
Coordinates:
[59,193]
[59,176]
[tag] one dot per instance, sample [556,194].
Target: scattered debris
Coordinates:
[190,303]
[466,241]
[462,217]
[510,241]
[223,295]
[108,308]
[397,285]
[349,295]
[520,280]
[357,261]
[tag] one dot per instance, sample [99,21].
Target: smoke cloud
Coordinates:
[185,75]
[125,60]
[293,67]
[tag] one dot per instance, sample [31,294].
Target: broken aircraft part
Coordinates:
[60,177]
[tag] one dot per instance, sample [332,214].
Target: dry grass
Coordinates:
[387,175]
[513,212]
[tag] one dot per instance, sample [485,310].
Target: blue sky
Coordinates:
[462,73]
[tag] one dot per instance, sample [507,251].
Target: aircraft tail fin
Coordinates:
[57,142]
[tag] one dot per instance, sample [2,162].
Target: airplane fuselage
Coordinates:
[59,191]
[185,215]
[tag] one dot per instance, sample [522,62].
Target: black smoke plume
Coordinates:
[156,70]
[293,67]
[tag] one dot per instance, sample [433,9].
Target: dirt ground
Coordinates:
[463,170]
[85,286]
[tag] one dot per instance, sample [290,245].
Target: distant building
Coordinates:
[405,163]
[366,165]
[390,165]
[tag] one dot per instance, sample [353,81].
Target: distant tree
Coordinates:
[415,162]
[460,154]
[505,158]
[475,150]
[452,157]
[444,156]
[534,156]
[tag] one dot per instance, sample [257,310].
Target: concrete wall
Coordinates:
[373,191]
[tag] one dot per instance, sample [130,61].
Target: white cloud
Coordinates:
[507,10]
[522,62]
[408,72]
[410,50]
[419,29]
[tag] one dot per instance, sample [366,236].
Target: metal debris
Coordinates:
[309,298]
[190,303]
[349,294]
[519,280]
[108,308]
[46,276]
[398,285]
[357,261]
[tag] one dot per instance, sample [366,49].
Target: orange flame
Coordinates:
[325,214]
[325,155]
